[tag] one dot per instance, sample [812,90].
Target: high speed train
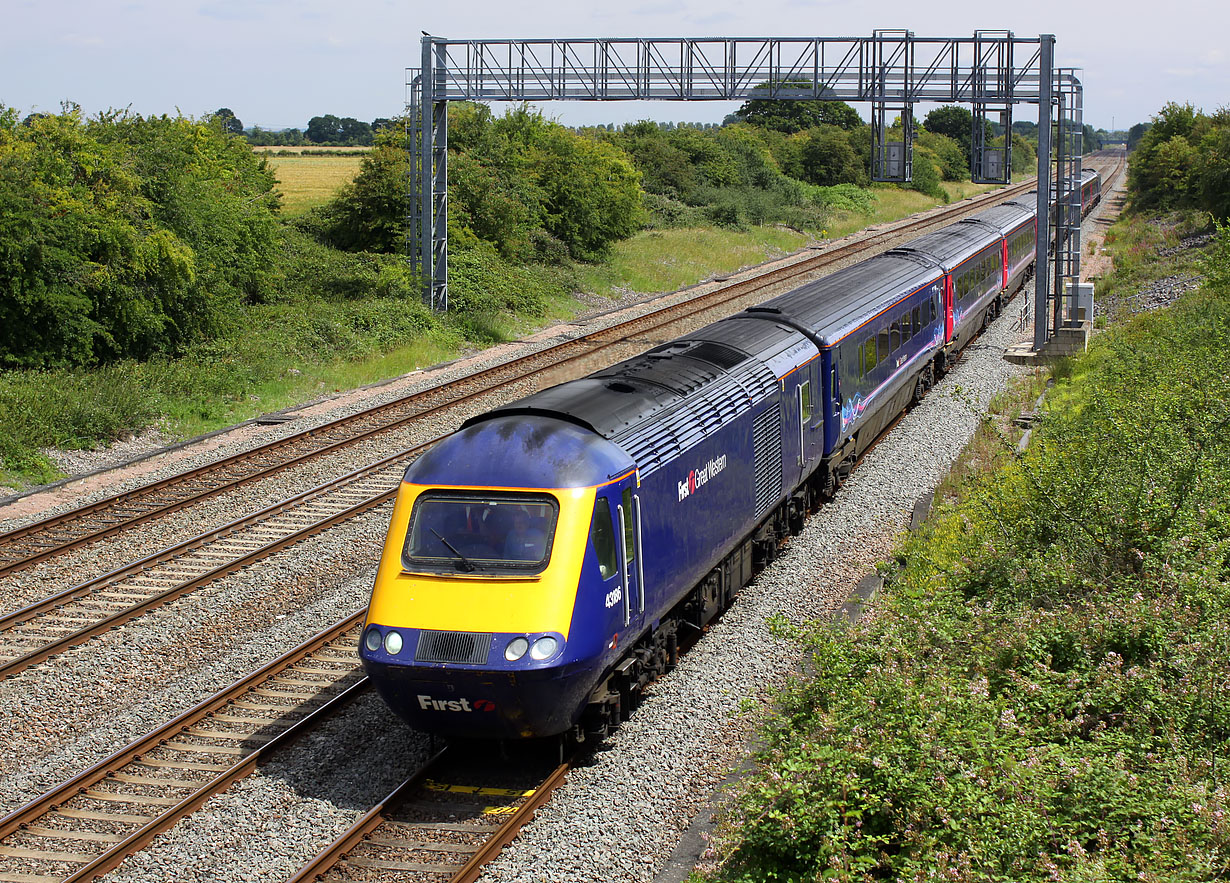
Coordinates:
[542,563]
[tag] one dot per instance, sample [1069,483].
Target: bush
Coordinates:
[926,175]
[1041,694]
[309,269]
[483,283]
[125,237]
[828,159]
[664,213]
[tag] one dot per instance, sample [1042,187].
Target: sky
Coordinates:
[278,63]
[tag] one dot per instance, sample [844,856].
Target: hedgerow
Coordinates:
[1042,693]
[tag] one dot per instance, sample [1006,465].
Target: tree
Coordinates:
[230,123]
[828,159]
[1089,139]
[592,192]
[1136,133]
[957,123]
[791,115]
[124,236]
[952,162]
[1213,169]
[355,132]
[325,129]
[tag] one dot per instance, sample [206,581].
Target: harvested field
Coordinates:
[309,181]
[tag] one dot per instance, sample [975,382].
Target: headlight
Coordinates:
[544,648]
[393,643]
[516,649]
[372,640]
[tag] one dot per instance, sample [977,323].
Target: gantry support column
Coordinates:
[1042,263]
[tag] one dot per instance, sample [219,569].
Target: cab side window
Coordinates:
[602,535]
[629,528]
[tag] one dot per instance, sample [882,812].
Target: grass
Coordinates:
[310,181]
[1135,242]
[666,260]
[893,203]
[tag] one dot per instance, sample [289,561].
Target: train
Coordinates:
[543,563]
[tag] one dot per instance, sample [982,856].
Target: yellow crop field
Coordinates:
[309,181]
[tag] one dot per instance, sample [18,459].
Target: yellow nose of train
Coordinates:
[479,624]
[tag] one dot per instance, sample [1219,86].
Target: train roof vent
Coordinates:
[718,354]
[652,446]
[683,425]
[713,352]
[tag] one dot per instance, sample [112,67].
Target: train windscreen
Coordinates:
[480,534]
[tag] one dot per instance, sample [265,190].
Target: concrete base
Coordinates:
[1065,342]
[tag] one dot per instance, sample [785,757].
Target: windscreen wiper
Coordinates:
[465,562]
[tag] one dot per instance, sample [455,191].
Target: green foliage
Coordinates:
[796,115]
[482,286]
[1216,264]
[1041,693]
[330,129]
[1024,156]
[369,213]
[957,123]
[826,158]
[511,179]
[926,174]
[66,409]
[1183,162]
[591,192]
[311,270]
[951,160]
[125,236]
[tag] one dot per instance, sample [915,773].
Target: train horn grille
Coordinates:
[467,647]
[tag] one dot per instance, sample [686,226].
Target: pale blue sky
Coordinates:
[277,63]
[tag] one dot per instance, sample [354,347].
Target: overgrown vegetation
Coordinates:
[1041,694]
[1182,161]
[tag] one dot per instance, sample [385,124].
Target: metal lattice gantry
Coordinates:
[893,70]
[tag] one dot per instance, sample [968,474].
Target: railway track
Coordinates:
[443,823]
[90,823]
[56,535]
[39,631]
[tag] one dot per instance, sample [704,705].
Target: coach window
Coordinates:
[602,535]
[906,334]
[917,321]
[933,312]
[894,332]
[869,351]
[882,345]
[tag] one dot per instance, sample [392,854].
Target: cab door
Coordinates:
[808,396]
[631,554]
